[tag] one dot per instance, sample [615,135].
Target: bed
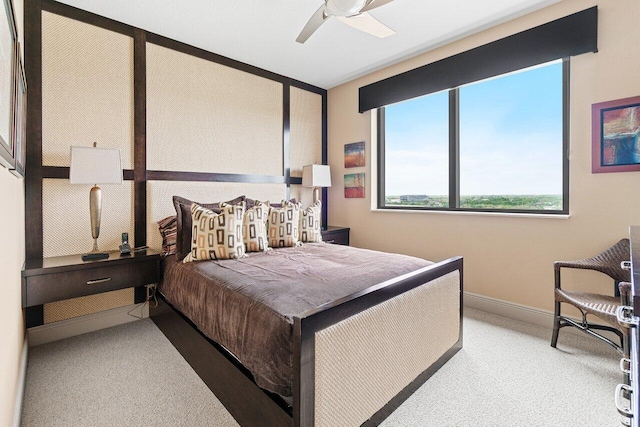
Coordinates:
[316,335]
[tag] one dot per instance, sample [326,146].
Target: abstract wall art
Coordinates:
[354,186]
[354,155]
[616,136]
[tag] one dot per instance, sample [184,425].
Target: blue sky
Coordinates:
[510,138]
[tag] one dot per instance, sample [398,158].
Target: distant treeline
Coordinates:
[511,202]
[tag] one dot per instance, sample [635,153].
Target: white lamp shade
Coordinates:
[316,176]
[91,165]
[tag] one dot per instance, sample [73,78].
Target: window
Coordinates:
[497,145]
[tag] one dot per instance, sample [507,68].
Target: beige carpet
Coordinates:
[506,375]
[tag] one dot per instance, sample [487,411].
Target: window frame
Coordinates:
[454,158]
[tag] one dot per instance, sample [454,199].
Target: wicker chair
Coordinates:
[601,306]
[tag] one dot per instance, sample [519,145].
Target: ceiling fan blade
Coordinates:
[314,23]
[368,24]
[372,4]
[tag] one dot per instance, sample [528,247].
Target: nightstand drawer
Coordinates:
[336,235]
[45,288]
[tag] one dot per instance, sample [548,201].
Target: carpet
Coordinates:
[506,375]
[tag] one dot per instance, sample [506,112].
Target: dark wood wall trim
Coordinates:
[286,134]
[62,172]
[307,87]
[86,17]
[33,175]
[218,177]
[140,136]
[213,57]
[36,172]
[325,157]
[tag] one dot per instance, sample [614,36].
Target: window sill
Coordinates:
[474,213]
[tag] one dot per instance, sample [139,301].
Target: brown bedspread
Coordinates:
[247,305]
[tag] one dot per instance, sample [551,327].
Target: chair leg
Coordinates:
[556,326]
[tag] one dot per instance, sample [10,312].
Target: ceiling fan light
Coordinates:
[345,7]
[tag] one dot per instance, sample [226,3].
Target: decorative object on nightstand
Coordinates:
[125,249]
[336,235]
[95,166]
[316,176]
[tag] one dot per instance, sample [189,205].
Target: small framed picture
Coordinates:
[615,136]
[354,155]
[354,186]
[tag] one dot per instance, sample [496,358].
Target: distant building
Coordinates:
[413,198]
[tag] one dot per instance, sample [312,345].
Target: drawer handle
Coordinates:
[625,365]
[95,282]
[329,241]
[623,409]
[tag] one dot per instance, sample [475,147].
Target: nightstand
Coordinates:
[336,235]
[60,278]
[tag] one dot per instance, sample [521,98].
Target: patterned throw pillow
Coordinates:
[255,227]
[283,225]
[183,212]
[216,236]
[251,202]
[310,230]
[169,230]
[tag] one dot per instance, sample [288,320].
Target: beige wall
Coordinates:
[508,257]
[11,260]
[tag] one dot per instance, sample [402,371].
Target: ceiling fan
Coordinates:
[351,12]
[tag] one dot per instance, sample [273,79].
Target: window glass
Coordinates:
[417,152]
[511,141]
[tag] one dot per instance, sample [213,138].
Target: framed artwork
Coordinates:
[615,136]
[20,119]
[354,155]
[7,83]
[354,186]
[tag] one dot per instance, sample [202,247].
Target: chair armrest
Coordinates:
[582,264]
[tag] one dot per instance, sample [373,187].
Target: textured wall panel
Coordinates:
[302,194]
[67,309]
[160,194]
[205,117]
[66,222]
[87,89]
[306,130]
[376,353]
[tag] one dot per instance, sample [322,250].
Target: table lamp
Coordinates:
[91,165]
[316,176]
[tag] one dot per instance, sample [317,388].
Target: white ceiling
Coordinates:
[263,32]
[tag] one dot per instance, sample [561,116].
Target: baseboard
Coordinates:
[523,313]
[84,324]
[512,310]
[22,379]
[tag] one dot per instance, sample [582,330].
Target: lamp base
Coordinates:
[91,256]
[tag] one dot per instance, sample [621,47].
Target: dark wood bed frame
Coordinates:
[223,374]
[250,405]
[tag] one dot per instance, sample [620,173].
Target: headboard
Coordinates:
[188,122]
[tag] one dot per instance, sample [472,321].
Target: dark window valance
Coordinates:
[569,36]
